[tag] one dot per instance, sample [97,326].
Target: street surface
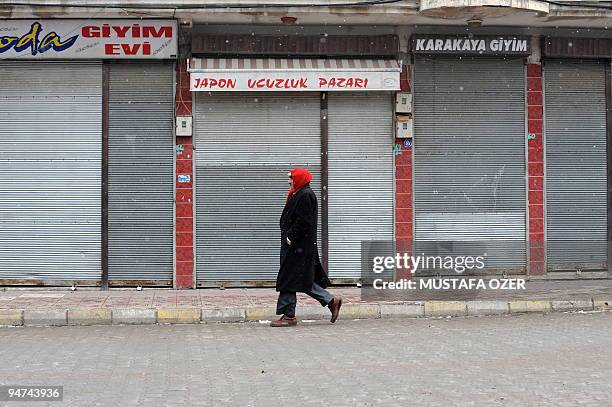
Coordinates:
[526,360]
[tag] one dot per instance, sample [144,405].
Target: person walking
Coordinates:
[300,267]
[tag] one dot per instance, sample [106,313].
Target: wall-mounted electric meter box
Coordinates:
[403,102]
[403,127]
[184,125]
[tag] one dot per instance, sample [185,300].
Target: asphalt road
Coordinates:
[528,360]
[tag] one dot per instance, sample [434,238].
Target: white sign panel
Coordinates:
[285,81]
[88,39]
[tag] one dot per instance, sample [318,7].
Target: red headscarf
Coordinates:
[300,177]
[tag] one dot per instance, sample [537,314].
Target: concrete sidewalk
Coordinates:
[88,306]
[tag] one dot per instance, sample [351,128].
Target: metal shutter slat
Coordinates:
[469,156]
[50,165]
[245,145]
[361,174]
[576,178]
[141,168]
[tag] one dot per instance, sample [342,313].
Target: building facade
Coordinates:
[155,151]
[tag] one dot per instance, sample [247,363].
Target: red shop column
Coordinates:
[184,273]
[535,164]
[403,186]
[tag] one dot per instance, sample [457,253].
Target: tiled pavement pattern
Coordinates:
[41,298]
[529,360]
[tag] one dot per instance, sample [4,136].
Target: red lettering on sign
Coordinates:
[90,31]
[210,83]
[352,83]
[136,31]
[121,31]
[130,49]
[111,49]
[164,31]
[277,83]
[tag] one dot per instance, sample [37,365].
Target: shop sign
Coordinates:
[474,45]
[294,81]
[88,39]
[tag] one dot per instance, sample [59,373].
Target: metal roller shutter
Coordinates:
[245,145]
[50,166]
[469,156]
[140,171]
[576,179]
[361,175]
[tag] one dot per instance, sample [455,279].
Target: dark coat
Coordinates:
[300,265]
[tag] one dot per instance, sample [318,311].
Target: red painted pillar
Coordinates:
[184,273]
[403,188]
[535,163]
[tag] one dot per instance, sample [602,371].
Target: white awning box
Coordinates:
[293,75]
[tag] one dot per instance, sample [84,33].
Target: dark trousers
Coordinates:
[288,300]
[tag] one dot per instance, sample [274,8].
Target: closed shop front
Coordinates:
[140,171]
[361,177]
[50,170]
[86,153]
[247,140]
[246,143]
[469,155]
[576,164]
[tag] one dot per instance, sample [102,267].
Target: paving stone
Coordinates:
[179,316]
[487,307]
[89,316]
[445,308]
[11,317]
[359,311]
[543,360]
[260,313]
[603,304]
[134,316]
[45,317]
[402,310]
[223,315]
[572,305]
[529,306]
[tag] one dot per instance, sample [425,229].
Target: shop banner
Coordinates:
[284,81]
[470,45]
[88,39]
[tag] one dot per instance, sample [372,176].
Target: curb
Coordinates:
[11,317]
[148,316]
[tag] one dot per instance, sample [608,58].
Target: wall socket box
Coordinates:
[403,102]
[403,126]
[184,125]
